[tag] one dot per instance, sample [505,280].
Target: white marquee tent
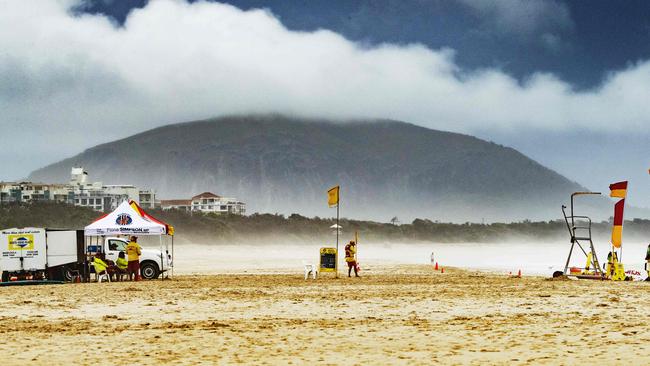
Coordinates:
[126,220]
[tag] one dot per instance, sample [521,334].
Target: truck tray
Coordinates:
[31,282]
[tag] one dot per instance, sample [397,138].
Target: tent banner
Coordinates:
[123,231]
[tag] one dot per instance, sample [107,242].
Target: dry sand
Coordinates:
[392,315]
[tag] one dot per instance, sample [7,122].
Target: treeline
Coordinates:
[206,228]
[46,214]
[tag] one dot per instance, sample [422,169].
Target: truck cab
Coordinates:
[153,262]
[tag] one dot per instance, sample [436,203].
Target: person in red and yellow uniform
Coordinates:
[351,259]
[133,252]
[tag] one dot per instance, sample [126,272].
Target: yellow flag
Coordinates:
[333,196]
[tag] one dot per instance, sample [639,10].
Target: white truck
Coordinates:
[40,254]
[153,262]
[52,254]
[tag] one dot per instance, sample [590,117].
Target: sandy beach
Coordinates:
[392,315]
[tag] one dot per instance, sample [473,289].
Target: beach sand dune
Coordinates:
[392,315]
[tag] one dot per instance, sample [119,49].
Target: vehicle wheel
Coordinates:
[5,276]
[67,273]
[149,270]
[557,274]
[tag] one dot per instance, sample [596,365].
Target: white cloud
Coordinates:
[67,83]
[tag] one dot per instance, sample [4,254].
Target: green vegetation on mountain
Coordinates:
[282,164]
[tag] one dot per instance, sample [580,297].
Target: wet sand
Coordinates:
[392,315]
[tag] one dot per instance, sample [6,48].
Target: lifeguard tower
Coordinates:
[580,231]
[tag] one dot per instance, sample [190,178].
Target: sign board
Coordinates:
[328,260]
[22,249]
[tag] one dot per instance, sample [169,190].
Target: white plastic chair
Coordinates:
[310,268]
[104,276]
[98,277]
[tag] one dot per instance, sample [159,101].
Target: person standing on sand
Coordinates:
[133,250]
[350,258]
[647,263]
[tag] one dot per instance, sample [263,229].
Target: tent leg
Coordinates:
[167,255]
[162,261]
[87,242]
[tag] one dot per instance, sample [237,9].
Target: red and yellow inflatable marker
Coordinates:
[618,190]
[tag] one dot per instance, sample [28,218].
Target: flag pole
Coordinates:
[333,197]
[338,204]
[356,243]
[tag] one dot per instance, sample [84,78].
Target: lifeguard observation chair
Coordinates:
[580,231]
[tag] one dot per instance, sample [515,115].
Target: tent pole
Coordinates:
[85,264]
[162,263]
[172,256]
[167,254]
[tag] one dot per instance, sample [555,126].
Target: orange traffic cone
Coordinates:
[436,266]
[519,274]
[442,270]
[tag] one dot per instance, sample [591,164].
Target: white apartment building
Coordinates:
[103,197]
[10,192]
[79,191]
[33,192]
[147,199]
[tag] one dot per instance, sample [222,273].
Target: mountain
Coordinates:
[283,164]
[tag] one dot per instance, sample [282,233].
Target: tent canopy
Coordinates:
[128,219]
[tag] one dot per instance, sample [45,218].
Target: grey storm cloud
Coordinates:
[70,81]
[523,17]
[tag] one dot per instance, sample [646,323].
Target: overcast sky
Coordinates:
[566,83]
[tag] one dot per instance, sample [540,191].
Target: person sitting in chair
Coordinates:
[122,264]
[101,267]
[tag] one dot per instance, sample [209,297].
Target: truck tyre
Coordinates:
[149,270]
[5,276]
[67,273]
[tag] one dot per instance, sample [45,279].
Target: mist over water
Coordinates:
[532,258]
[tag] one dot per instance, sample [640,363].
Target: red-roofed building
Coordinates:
[207,202]
[210,202]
